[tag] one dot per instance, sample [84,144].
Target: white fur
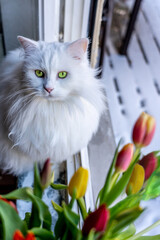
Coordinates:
[36,125]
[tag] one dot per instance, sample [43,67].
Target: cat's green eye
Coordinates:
[39,73]
[62,74]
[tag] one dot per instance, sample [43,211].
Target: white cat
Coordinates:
[50,103]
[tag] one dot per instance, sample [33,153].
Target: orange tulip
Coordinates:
[19,236]
[143,130]
[9,202]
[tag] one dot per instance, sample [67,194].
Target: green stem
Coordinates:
[144,231]
[82,207]
[137,151]
[113,180]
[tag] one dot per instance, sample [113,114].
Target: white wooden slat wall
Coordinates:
[49,11]
[75,26]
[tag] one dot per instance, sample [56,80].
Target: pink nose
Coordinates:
[48,89]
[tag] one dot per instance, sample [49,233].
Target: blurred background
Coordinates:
[128,54]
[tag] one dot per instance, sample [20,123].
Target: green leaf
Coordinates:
[10,221]
[57,207]
[144,231]
[71,216]
[42,233]
[58,186]
[129,202]
[152,188]
[60,226]
[72,220]
[38,190]
[91,235]
[156,237]
[21,193]
[43,216]
[27,218]
[103,192]
[131,230]
[123,220]
[120,185]
[82,207]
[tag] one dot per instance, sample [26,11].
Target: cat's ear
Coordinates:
[27,43]
[78,48]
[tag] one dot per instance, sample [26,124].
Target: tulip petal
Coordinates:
[150,130]
[96,220]
[136,181]
[30,236]
[149,163]
[143,130]
[79,182]
[124,158]
[18,235]
[139,129]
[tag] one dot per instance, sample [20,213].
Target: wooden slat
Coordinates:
[68,20]
[145,82]
[128,88]
[150,48]
[51,20]
[153,18]
[85,19]
[114,106]
[89,193]
[77,19]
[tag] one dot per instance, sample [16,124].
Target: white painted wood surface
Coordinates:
[138,86]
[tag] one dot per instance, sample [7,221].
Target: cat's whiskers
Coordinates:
[18,93]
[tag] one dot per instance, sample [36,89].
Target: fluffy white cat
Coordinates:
[50,103]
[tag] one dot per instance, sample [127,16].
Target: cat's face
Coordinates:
[55,71]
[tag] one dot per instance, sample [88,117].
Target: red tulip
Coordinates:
[96,220]
[124,158]
[9,202]
[143,130]
[149,163]
[19,236]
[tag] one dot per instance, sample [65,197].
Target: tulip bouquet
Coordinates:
[131,175]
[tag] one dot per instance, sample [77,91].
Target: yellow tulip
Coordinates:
[136,181]
[79,182]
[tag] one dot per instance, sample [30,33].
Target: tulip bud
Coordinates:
[149,163]
[79,182]
[124,158]
[96,220]
[136,181]
[46,174]
[143,130]
[9,202]
[19,236]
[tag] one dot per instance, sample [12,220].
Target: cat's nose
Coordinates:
[48,89]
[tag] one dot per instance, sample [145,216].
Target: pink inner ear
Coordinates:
[27,43]
[78,48]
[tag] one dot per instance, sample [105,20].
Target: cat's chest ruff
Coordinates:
[56,130]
